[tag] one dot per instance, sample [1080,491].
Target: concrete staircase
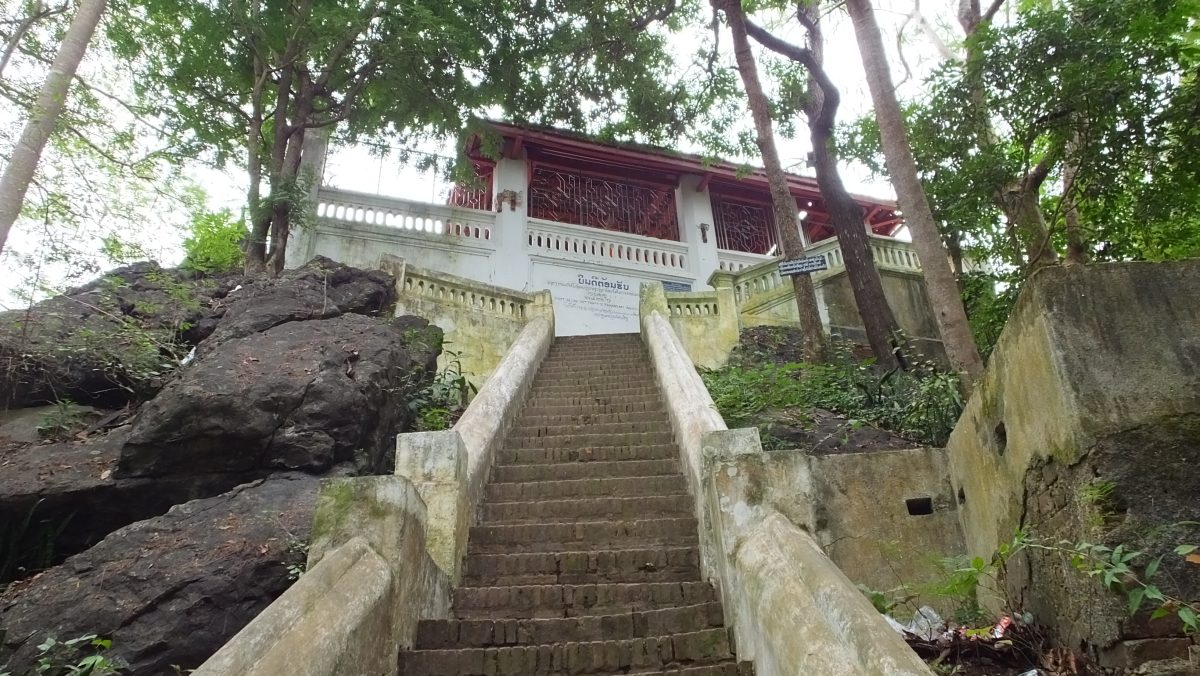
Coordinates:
[585,560]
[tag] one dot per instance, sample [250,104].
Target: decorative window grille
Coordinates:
[742,226]
[645,209]
[477,195]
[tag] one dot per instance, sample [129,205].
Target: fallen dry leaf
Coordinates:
[1193,558]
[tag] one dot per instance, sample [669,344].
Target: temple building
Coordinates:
[591,221]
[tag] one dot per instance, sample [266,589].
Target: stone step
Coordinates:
[593,356]
[593,440]
[524,491]
[524,430]
[574,600]
[625,388]
[605,378]
[529,418]
[485,633]
[603,453]
[666,564]
[702,647]
[558,536]
[650,405]
[592,509]
[590,470]
[594,404]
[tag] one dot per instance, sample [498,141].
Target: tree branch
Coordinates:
[990,13]
[806,58]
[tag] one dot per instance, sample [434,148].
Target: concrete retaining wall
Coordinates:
[791,609]
[1086,428]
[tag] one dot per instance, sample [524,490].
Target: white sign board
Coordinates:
[803,266]
[588,302]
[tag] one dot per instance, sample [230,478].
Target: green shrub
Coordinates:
[922,404]
[215,242]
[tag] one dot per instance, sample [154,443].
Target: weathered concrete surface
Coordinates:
[480,321]
[708,338]
[906,296]
[436,464]
[857,507]
[1094,383]
[791,609]
[369,581]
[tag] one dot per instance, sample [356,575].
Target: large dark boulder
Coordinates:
[61,498]
[321,289]
[169,590]
[111,341]
[302,395]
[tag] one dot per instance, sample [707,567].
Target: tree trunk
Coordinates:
[812,334]
[1076,242]
[1021,202]
[46,110]
[947,304]
[845,214]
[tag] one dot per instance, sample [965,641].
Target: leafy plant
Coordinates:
[215,242]
[298,552]
[64,420]
[82,656]
[438,405]
[922,404]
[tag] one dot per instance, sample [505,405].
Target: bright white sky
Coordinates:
[358,168]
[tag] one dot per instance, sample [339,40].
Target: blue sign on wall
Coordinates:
[677,287]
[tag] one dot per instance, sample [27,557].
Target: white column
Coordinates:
[695,210]
[510,263]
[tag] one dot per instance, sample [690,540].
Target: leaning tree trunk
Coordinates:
[49,105]
[948,308]
[812,335]
[821,107]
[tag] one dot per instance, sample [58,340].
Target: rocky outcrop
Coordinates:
[322,289]
[109,342]
[172,589]
[292,378]
[301,395]
[59,499]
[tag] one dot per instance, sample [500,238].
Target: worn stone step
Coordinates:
[573,419]
[604,453]
[570,410]
[484,633]
[593,404]
[559,536]
[593,440]
[625,388]
[722,668]
[600,366]
[591,470]
[573,600]
[664,564]
[570,488]
[523,430]
[590,509]
[605,378]
[702,647]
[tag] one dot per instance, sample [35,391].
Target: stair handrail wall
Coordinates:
[450,467]
[791,609]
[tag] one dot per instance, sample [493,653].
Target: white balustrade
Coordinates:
[888,253]
[618,249]
[736,261]
[693,304]
[417,218]
[447,289]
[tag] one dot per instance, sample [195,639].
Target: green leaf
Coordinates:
[1152,569]
[1184,550]
[1135,599]
[1189,618]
